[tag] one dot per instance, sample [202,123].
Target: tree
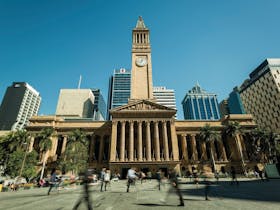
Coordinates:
[45,144]
[11,146]
[76,154]
[233,130]
[14,164]
[208,135]
[265,143]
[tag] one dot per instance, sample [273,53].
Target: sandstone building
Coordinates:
[145,134]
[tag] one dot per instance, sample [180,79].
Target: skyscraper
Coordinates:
[200,105]
[20,103]
[234,102]
[260,94]
[75,103]
[99,108]
[119,89]
[165,97]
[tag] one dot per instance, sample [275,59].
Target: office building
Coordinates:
[119,89]
[20,103]
[144,134]
[200,105]
[99,108]
[260,94]
[165,97]
[75,103]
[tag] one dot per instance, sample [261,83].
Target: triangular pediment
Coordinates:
[142,105]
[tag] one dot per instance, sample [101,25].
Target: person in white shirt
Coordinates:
[131,177]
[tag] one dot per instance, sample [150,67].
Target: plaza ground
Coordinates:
[249,194]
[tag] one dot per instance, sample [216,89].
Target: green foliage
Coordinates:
[76,154]
[15,162]
[208,134]
[233,128]
[45,139]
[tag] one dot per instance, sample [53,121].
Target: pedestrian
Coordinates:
[233,176]
[207,183]
[173,178]
[142,176]
[107,177]
[52,180]
[131,177]
[87,178]
[159,176]
[102,174]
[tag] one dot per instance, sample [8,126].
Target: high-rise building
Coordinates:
[200,105]
[20,103]
[260,94]
[99,108]
[234,102]
[75,103]
[165,97]
[119,89]
[144,134]
[224,109]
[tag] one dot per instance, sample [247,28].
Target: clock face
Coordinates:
[140,61]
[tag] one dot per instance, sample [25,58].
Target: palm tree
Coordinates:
[76,154]
[233,130]
[260,143]
[208,135]
[45,144]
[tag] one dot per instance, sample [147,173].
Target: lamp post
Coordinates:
[24,158]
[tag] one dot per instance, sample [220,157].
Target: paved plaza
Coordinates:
[249,194]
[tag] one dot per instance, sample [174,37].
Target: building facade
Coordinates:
[165,97]
[99,108]
[75,103]
[20,103]
[119,89]
[260,95]
[200,105]
[145,134]
[235,103]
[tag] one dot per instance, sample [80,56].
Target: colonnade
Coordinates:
[138,140]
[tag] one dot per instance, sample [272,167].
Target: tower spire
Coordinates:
[140,23]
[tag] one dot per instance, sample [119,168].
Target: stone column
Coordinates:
[243,147]
[54,147]
[174,140]
[165,141]
[113,144]
[131,141]
[148,142]
[122,145]
[139,137]
[184,147]
[30,148]
[194,150]
[101,149]
[222,150]
[212,145]
[156,139]
[203,150]
[64,143]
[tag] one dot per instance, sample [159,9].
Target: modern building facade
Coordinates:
[200,105]
[165,97]
[224,109]
[119,89]
[99,108]
[260,94]
[20,103]
[75,103]
[234,102]
[145,134]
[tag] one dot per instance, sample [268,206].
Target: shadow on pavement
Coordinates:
[256,190]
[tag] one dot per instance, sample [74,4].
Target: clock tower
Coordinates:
[141,68]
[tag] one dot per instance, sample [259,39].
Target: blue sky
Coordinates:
[214,42]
